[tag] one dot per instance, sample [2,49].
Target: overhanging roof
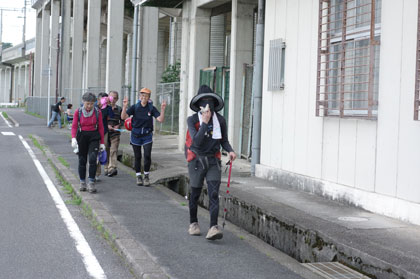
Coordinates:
[162,3]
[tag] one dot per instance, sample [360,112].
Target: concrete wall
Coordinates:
[373,164]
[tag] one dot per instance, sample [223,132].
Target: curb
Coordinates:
[15,123]
[134,254]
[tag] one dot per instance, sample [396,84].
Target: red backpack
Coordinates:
[190,155]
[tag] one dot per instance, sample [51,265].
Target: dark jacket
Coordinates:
[202,142]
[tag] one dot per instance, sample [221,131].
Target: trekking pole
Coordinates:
[227,193]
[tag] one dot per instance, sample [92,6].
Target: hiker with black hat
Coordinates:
[142,131]
[207,131]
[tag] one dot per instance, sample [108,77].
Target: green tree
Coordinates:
[7,45]
[171,74]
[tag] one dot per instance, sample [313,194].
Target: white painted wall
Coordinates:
[369,163]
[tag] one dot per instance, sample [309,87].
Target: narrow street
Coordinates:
[41,235]
[154,219]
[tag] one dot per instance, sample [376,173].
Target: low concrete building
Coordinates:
[16,71]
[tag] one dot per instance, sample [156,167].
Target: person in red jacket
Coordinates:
[87,134]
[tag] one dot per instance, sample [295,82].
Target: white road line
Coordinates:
[91,263]
[8,134]
[265,187]
[7,122]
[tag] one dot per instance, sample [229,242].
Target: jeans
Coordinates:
[53,116]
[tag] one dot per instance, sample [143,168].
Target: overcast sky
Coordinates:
[13,21]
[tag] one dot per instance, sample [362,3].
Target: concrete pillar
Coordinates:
[240,53]
[139,50]
[162,51]
[102,64]
[55,14]
[25,81]
[45,47]
[93,43]
[199,53]
[15,86]
[128,59]
[65,53]
[8,83]
[149,45]
[1,86]
[184,110]
[37,64]
[2,79]
[114,45]
[77,51]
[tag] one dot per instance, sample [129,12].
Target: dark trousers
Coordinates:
[88,142]
[210,169]
[147,148]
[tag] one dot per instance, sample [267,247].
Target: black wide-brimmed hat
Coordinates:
[205,91]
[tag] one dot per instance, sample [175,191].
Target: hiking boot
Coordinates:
[112,173]
[214,233]
[139,180]
[82,186]
[194,229]
[91,187]
[146,180]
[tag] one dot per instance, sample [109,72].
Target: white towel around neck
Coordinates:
[217,131]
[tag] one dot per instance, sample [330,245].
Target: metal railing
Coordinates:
[39,105]
[170,93]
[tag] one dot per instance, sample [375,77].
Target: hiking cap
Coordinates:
[145,90]
[205,91]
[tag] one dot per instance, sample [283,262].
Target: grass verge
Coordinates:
[37,144]
[85,208]
[63,161]
[5,114]
[33,114]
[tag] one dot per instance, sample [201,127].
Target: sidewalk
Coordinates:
[304,226]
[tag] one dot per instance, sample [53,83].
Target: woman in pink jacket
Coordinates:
[87,134]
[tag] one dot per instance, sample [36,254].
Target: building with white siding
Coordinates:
[344,124]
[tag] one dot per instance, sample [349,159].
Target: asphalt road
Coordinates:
[34,238]
[156,220]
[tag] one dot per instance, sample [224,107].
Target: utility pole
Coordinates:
[24,25]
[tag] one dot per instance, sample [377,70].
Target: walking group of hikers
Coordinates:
[96,128]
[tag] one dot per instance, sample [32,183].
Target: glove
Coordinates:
[73,142]
[101,147]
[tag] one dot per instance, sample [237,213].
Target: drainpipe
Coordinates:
[57,68]
[134,53]
[60,57]
[257,88]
